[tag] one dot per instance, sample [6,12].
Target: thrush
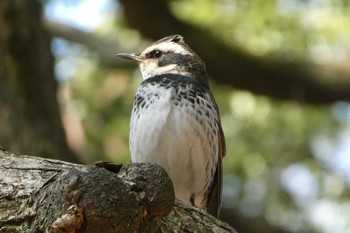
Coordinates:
[175,122]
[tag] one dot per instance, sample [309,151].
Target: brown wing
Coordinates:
[214,196]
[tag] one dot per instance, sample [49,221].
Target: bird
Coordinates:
[175,122]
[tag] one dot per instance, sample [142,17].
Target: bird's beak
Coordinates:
[131,56]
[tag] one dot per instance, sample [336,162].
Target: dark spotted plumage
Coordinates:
[185,88]
[175,122]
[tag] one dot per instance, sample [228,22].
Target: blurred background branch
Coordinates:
[98,44]
[231,65]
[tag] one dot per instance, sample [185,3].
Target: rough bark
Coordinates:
[44,195]
[303,82]
[29,113]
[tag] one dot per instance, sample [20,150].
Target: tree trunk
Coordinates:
[29,113]
[44,195]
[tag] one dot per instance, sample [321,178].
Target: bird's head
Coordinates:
[170,55]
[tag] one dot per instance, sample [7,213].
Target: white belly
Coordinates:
[172,137]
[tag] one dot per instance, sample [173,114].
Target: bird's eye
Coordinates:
[156,54]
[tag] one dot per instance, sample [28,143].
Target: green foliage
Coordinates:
[287,29]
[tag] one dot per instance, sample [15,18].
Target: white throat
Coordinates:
[150,69]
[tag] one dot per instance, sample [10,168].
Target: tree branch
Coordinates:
[105,48]
[44,195]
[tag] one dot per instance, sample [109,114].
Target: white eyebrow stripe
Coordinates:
[165,47]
